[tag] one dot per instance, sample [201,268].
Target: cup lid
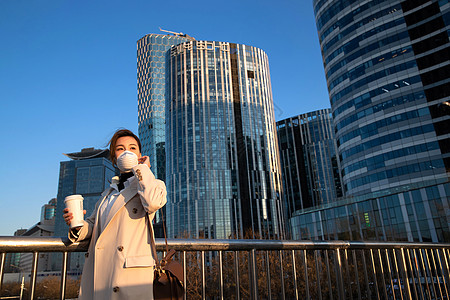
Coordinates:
[73,197]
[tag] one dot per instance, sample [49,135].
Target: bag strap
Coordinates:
[152,241]
[164,229]
[152,238]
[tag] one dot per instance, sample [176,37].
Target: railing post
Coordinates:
[339,277]
[425,274]
[397,273]
[294,270]
[350,290]
[414,275]
[437,273]
[390,273]
[203,276]
[355,264]
[445,270]
[2,268]
[252,271]
[221,275]
[269,283]
[375,279]
[383,280]
[318,272]
[236,275]
[305,262]
[184,275]
[327,260]
[283,292]
[33,274]
[430,274]
[366,278]
[405,272]
[62,294]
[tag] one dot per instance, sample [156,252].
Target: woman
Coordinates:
[119,262]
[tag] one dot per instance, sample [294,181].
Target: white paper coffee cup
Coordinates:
[75,205]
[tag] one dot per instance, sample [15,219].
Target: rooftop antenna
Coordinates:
[172,32]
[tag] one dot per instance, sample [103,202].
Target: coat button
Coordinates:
[120,248]
[116,289]
[86,254]
[135,210]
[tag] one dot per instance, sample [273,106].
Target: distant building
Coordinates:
[223,168]
[88,173]
[309,162]
[45,227]
[12,260]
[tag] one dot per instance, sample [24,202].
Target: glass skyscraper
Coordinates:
[387,68]
[310,166]
[223,172]
[151,54]
[387,65]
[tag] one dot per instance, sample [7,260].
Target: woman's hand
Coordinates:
[69,216]
[144,160]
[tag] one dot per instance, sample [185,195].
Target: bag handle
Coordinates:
[153,244]
[164,230]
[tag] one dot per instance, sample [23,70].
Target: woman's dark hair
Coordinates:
[112,143]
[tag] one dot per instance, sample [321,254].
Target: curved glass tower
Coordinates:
[223,172]
[151,53]
[387,69]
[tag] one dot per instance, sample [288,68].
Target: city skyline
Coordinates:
[67,85]
[68,78]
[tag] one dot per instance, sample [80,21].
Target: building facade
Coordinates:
[151,55]
[309,162]
[223,172]
[88,173]
[387,66]
[12,260]
[413,215]
[22,262]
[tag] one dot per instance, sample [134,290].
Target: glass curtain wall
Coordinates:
[151,51]
[310,166]
[387,66]
[223,168]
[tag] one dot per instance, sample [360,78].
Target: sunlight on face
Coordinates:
[127,143]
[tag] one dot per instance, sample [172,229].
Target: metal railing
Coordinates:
[274,269]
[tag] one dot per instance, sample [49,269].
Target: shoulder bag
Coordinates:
[169,276]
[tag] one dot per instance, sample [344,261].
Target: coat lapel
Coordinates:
[122,199]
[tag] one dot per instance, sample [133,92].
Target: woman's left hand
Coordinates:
[144,160]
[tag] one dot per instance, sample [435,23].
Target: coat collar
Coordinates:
[122,199]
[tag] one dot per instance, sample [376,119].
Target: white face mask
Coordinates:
[126,161]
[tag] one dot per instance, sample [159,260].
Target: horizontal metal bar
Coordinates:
[58,244]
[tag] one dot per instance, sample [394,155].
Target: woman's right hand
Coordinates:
[68,215]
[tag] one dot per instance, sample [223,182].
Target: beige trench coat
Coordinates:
[119,263]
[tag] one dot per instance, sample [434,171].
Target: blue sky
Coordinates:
[68,76]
